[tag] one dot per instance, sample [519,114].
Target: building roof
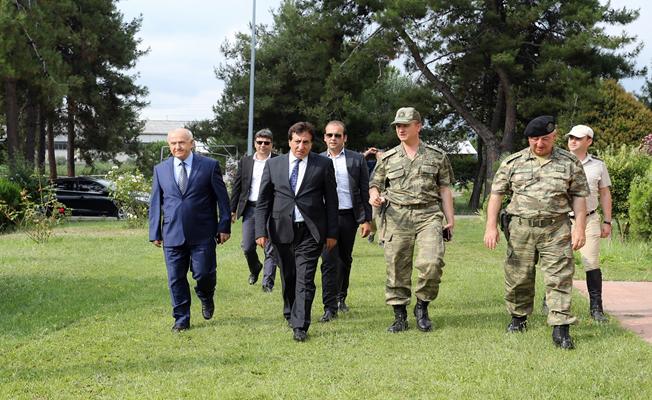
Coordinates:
[158,126]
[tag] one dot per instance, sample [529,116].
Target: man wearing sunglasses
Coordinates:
[243,204]
[352,177]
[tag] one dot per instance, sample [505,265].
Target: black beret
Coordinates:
[540,126]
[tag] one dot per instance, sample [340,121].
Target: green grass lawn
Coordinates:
[87,316]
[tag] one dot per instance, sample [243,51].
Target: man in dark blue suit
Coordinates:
[298,203]
[352,176]
[187,190]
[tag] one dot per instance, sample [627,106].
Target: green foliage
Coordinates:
[131,194]
[640,205]
[149,154]
[35,216]
[624,164]
[615,116]
[9,198]
[464,167]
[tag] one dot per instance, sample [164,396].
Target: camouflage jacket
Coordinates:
[540,191]
[409,182]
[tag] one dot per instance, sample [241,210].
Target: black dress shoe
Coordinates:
[267,289]
[180,328]
[207,309]
[299,335]
[517,324]
[253,278]
[561,337]
[328,316]
[342,307]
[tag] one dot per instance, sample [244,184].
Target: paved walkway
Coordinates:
[629,302]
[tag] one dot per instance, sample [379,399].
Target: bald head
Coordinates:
[181,143]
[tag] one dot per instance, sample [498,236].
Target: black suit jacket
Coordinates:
[358,185]
[316,199]
[242,184]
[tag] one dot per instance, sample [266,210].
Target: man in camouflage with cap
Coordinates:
[411,183]
[545,183]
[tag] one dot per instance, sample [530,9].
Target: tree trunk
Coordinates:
[70,162]
[507,143]
[40,153]
[11,119]
[52,161]
[31,124]
[478,181]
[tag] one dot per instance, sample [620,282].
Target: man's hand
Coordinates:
[578,238]
[157,243]
[605,230]
[370,150]
[365,229]
[261,241]
[232,217]
[223,237]
[375,199]
[491,236]
[330,243]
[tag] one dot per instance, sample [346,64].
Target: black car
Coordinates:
[86,196]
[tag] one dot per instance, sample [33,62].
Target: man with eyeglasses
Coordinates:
[352,177]
[244,195]
[412,184]
[545,183]
[580,138]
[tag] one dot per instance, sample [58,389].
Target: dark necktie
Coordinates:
[183,178]
[294,176]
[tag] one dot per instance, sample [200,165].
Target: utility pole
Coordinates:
[252,74]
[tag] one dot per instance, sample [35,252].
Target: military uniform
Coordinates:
[541,198]
[412,216]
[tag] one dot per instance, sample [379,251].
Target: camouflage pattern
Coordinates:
[540,191]
[412,218]
[551,246]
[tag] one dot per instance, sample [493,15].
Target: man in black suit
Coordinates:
[298,197]
[243,204]
[187,190]
[352,177]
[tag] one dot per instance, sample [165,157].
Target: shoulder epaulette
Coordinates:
[435,148]
[510,158]
[596,158]
[388,153]
[566,153]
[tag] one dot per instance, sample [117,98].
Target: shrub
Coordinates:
[640,205]
[624,165]
[10,198]
[131,194]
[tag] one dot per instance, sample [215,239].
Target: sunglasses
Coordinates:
[263,142]
[337,135]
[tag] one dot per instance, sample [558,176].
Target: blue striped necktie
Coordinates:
[294,176]
[183,178]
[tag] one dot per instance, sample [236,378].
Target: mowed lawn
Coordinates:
[87,316]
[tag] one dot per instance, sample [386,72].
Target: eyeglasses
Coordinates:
[263,142]
[337,135]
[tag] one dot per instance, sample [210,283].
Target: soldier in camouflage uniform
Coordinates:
[545,184]
[411,183]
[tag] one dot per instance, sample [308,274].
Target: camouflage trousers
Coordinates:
[551,247]
[404,229]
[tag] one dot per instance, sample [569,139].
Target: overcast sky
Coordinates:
[184,37]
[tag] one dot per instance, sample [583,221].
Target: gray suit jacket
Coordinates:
[316,199]
[242,184]
[358,184]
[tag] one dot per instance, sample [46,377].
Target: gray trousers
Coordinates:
[249,248]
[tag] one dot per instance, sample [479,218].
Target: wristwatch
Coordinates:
[606,222]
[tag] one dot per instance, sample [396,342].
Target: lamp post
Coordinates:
[252,73]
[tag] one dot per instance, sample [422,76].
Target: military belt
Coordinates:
[541,222]
[417,206]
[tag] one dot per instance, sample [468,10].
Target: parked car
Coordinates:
[86,196]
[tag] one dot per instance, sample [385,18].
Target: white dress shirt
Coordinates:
[302,171]
[256,177]
[342,179]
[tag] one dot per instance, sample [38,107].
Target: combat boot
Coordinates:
[561,337]
[518,324]
[421,313]
[594,287]
[400,319]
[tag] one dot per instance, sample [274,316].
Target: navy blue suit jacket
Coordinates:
[192,217]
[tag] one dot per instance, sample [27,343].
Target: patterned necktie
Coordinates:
[295,175]
[183,178]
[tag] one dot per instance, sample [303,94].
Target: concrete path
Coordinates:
[629,302]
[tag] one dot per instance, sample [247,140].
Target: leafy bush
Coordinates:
[624,165]
[10,198]
[640,205]
[131,194]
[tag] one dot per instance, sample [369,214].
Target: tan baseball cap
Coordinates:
[579,131]
[406,115]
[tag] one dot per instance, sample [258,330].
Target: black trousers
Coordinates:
[298,262]
[336,264]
